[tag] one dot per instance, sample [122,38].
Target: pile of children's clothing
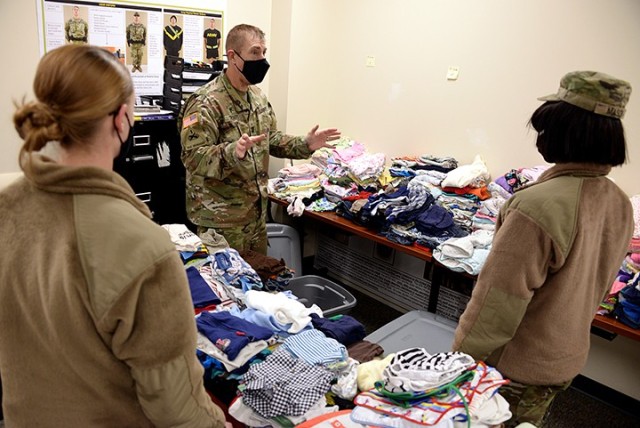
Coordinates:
[438,390]
[623,300]
[425,201]
[286,363]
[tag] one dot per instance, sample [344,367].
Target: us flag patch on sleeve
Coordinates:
[189,120]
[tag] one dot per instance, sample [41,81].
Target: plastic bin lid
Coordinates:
[419,329]
[284,243]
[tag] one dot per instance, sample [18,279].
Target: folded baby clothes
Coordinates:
[414,369]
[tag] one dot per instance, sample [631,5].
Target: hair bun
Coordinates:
[36,119]
[41,115]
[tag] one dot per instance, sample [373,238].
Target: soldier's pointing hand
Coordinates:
[244,144]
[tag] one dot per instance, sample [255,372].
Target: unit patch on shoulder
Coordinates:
[189,120]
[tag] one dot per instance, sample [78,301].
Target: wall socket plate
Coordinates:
[370,61]
[453,72]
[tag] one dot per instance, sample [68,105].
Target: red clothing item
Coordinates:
[361,195]
[205,309]
[481,192]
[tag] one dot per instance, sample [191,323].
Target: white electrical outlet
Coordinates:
[370,61]
[453,72]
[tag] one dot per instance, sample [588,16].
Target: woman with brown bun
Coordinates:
[96,322]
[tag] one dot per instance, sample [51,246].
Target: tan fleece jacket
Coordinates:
[96,323]
[557,247]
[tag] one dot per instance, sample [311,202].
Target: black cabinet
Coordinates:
[154,170]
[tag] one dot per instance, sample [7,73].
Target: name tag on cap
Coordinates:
[609,110]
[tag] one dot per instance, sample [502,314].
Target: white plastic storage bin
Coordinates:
[415,329]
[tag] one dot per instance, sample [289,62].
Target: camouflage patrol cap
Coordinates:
[136,14]
[597,92]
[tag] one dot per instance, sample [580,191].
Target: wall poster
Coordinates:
[140,36]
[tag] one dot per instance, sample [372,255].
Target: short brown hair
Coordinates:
[237,36]
[75,86]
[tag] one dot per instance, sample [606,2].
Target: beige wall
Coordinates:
[17,74]
[615,364]
[509,53]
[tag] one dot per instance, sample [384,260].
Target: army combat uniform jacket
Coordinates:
[557,247]
[96,319]
[136,34]
[76,30]
[222,190]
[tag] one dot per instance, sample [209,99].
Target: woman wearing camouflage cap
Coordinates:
[557,247]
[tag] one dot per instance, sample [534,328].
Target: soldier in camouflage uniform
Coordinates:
[228,130]
[76,30]
[136,40]
[557,246]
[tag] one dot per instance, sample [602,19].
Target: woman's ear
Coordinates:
[121,118]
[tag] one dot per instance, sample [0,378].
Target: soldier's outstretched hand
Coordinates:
[244,144]
[318,139]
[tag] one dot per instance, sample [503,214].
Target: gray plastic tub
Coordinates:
[329,296]
[415,329]
[284,243]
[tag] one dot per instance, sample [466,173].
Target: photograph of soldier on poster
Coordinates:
[136,40]
[212,40]
[76,27]
[173,34]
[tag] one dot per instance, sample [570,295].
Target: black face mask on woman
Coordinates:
[126,143]
[254,70]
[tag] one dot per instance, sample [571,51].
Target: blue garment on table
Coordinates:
[392,236]
[229,333]
[343,328]
[313,347]
[214,368]
[201,294]
[343,209]
[235,270]
[628,307]
[372,214]
[434,220]
[419,200]
[398,197]
[263,319]
[401,172]
[211,366]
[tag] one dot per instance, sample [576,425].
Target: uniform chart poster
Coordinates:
[140,36]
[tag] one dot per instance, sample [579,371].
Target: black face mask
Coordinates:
[255,70]
[125,144]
